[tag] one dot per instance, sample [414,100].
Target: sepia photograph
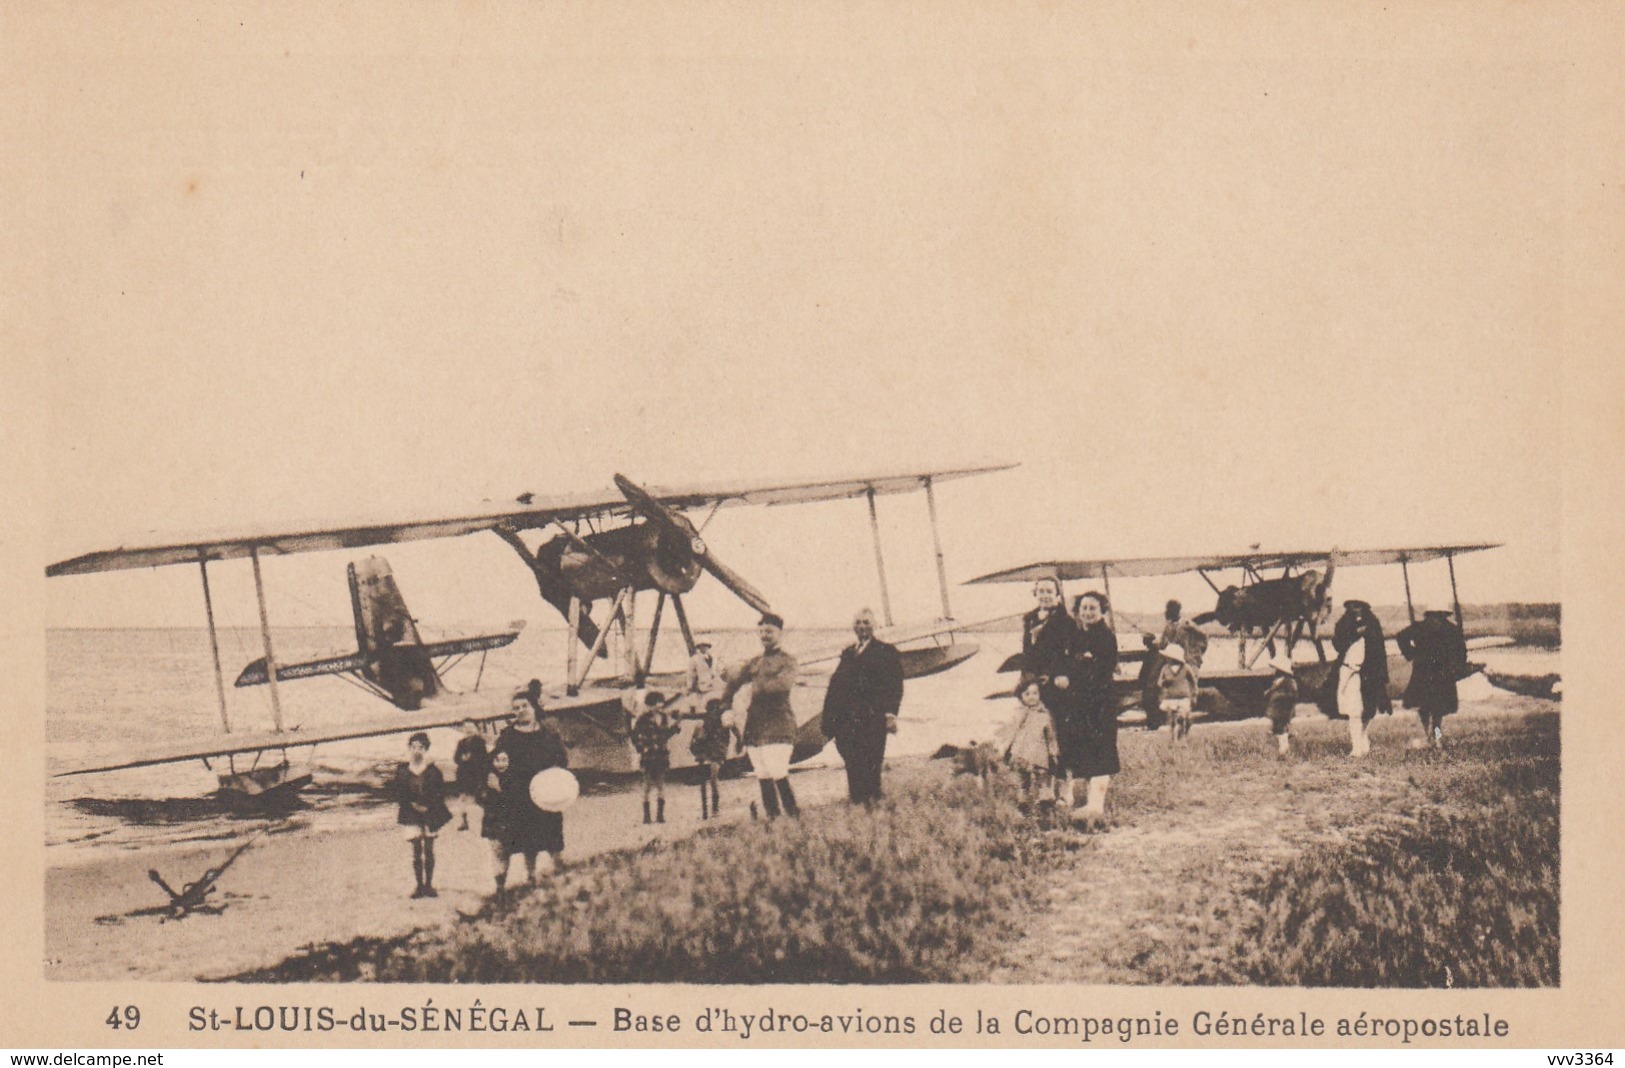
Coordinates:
[942,503]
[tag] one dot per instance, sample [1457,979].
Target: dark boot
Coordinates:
[417,865]
[428,868]
[660,810]
[770,798]
[705,810]
[788,797]
[716,799]
[646,818]
[502,887]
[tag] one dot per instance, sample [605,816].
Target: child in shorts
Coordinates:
[651,737]
[1176,691]
[1281,702]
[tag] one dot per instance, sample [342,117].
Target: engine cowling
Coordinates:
[642,555]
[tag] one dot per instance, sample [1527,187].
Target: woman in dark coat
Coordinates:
[1046,642]
[531,747]
[1438,655]
[1087,732]
[420,791]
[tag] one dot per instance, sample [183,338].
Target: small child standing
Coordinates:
[473,763]
[651,737]
[1281,702]
[1032,750]
[1176,691]
[711,744]
[420,791]
[493,822]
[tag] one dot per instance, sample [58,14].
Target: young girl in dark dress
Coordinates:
[420,790]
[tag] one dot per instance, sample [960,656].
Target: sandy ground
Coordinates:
[305,883]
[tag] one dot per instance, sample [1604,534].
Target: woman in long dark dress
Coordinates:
[531,747]
[1091,749]
[420,791]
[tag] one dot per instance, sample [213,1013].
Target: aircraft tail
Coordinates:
[387,637]
[390,657]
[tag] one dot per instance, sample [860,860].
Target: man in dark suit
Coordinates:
[860,707]
[1438,655]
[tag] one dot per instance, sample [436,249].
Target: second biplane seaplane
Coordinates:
[1262,613]
[595,547]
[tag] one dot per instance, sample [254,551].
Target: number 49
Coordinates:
[128,1016]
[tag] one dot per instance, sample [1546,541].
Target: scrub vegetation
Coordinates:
[1407,869]
[1224,865]
[925,887]
[1467,895]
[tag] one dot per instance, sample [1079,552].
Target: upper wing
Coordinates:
[829,489]
[526,512]
[1143,566]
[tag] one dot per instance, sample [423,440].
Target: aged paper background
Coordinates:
[265,261]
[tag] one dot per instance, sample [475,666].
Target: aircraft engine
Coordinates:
[641,555]
[1263,604]
[658,549]
[672,558]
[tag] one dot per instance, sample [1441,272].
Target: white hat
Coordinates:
[1174,652]
[554,789]
[1281,662]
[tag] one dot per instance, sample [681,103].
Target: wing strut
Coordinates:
[570,652]
[629,633]
[682,621]
[1106,580]
[1405,569]
[880,561]
[214,643]
[1450,562]
[603,636]
[936,542]
[654,633]
[265,634]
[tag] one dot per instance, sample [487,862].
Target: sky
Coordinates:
[1210,281]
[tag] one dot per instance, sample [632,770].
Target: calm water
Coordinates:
[111,693]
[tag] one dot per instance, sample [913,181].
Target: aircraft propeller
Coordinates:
[674,525]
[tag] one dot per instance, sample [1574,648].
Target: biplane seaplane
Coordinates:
[595,547]
[1260,612]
